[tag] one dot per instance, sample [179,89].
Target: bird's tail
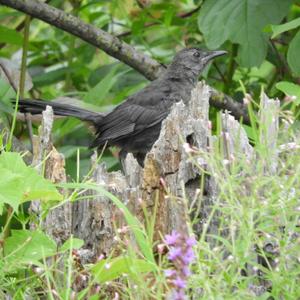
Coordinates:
[36,107]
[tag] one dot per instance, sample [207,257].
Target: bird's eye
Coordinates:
[196,54]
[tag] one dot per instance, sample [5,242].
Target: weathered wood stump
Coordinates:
[173,172]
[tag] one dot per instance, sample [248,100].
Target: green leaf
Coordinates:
[241,22]
[289,89]
[21,183]
[50,77]
[110,269]
[101,89]
[294,54]
[278,29]
[25,246]
[72,243]
[10,189]
[10,36]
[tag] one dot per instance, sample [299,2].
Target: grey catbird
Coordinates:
[134,125]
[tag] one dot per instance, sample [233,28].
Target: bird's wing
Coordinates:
[129,120]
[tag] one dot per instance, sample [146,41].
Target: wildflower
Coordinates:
[175,253]
[191,241]
[247,99]
[290,98]
[181,255]
[186,271]
[178,295]
[187,147]
[170,273]
[189,256]
[161,248]
[100,257]
[171,239]
[162,182]
[179,282]
[123,229]
[209,125]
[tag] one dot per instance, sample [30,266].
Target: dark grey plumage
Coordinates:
[134,125]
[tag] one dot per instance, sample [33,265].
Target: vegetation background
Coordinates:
[262,38]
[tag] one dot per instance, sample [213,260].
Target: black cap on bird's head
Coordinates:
[194,59]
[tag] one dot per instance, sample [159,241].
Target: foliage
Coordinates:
[260,36]
[241,22]
[263,41]
[21,183]
[254,207]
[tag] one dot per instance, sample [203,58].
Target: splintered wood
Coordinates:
[51,164]
[171,188]
[160,188]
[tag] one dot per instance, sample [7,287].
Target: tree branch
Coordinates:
[95,36]
[223,101]
[113,46]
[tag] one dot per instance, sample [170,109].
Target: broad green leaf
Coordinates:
[6,94]
[10,36]
[101,89]
[110,269]
[290,89]
[6,91]
[294,54]
[241,22]
[278,29]
[101,72]
[10,189]
[72,243]
[21,183]
[50,77]
[65,126]
[4,14]
[25,246]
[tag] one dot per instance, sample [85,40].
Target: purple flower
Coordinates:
[186,271]
[179,295]
[174,253]
[170,273]
[172,238]
[179,283]
[191,241]
[181,254]
[188,256]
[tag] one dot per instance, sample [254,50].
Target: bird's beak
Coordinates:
[212,54]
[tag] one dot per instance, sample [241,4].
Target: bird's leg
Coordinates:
[140,157]
[122,157]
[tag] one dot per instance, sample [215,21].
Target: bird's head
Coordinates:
[194,59]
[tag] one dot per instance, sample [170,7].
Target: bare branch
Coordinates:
[113,46]
[95,36]
[223,101]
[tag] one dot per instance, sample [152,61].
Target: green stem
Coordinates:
[70,53]
[20,93]
[24,56]
[6,229]
[272,81]
[23,74]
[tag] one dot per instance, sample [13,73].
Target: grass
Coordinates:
[253,254]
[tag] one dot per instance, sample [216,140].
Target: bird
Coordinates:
[134,125]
